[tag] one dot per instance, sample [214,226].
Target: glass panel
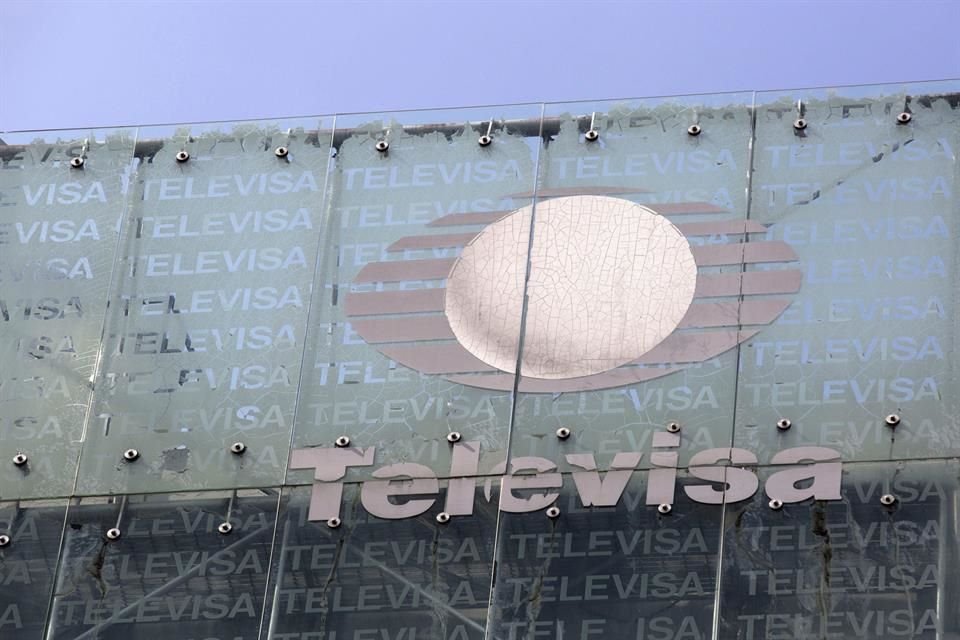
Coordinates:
[378,579]
[387,368]
[28,563]
[171,573]
[617,572]
[633,311]
[58,236]
[868,204]
[849,568]
[205,336]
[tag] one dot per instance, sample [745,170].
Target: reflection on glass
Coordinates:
[62,197]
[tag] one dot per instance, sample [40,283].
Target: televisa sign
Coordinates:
[407,489]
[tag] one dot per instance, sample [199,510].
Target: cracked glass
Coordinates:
[636,300]
[625,571]
[371,578]
[58,235]
[28,564]
[848,568]
[868,204]
[170,573]
[208,313]
[386,368]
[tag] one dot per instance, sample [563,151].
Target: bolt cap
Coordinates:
[553,512]
[342,441]
[453,436]
[130,455]
[382,145]
[281,152]
[694,129]
[888,499]
[182,156]
[20,459]
[333,523]
[443,517]
[563,433]
[77,162]
[799,124]
[225,528]
[485,140]
[238,448]
[775,504]
[592,135]
[892,420]
[783,424]
[664,509]
[904,117]
[673,427]
[113,534]
[4,539]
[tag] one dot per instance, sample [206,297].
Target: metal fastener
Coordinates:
[664,509]
[888,499]
[225,528]
[382,145]
[281,152]
[130,455]
[673,427]
[485,140]
[77,163]
[4,539]
[799,124]
[892,420]
[563,433]
[333,523]
[553,512]
[113,534]
[453,436]
[342,441]
[238,448]
[182,156]
[20,459]
[694,129]
[904,117]
[591,135]
[783,424]
[775,504]
[443,517]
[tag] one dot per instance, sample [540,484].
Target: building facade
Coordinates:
[668,368]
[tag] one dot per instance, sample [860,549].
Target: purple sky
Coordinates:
[78,64]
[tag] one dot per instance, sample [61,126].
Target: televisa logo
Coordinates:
[407,489]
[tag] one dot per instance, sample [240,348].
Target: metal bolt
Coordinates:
[591,135]
[342,441]
[453,436]
[904,117]
[694,129]
[553,512]
[664,509]
[563,433]
[783,424]
[799,124]
[281,152]
[485,140]
[888,499]
[673,427]
[443,517]
[20,459]
[892,420]
[382,145]
[4,540]
[333,523]
[238,448]
[225,528]
[182,156]
[775,504]
[113,534]
[130,455]
[77,163]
